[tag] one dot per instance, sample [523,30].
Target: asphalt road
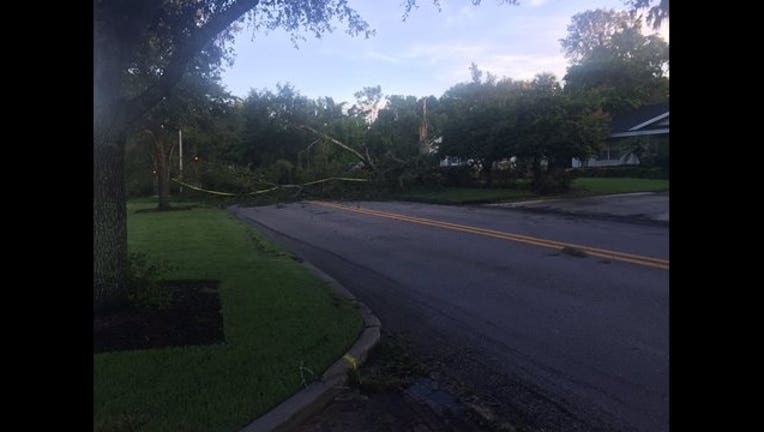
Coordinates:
[631,207]
[561,342]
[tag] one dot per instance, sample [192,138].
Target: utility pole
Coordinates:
[180,155]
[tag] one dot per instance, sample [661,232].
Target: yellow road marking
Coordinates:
[598,252]
[520,237]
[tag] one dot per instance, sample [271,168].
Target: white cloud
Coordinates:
[517,67]
[444,52]
[523,67]
[376,55]
[464,16]
[453,60]
[535,3]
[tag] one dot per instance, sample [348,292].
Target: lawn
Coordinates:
[615,185]
[583,186]
[281,323]
[458,195]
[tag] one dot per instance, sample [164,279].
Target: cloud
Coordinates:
[435,53]
[376,55]
[466,14]
[452,60]
[536,3]
[523,67]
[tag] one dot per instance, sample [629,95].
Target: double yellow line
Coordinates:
[602,253]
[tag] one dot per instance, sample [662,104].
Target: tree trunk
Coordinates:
[112,47]
[537,172]
[488,171]
[109,192]
[163,175]
[109,220]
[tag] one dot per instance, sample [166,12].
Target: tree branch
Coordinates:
[182,55]
[366,160]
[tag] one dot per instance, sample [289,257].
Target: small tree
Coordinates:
[552,129]
[482,117]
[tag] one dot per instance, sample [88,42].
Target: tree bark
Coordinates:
[488,171]
[163,175]
[109,191]
[109,221]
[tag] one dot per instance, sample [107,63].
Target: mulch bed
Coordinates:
[193,318]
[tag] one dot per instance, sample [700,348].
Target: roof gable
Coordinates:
[643,118]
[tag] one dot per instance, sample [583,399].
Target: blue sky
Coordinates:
[423,56]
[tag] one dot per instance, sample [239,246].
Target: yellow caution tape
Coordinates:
[270,189]
[334,178]
[348,358]
[202,190]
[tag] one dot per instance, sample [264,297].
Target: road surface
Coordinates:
[506,302]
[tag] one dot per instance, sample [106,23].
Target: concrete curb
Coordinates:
[309,401]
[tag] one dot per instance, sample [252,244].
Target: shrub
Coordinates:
[140,185]
[552,181]
[458,176]
[281,172]
[144,289]
[227,178]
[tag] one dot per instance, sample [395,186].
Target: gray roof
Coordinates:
[640,119]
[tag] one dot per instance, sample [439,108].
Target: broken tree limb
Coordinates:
[202,190]
[274,188]
[366,160]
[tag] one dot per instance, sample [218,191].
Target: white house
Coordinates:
[649,120]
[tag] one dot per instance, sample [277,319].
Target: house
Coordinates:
[649,122]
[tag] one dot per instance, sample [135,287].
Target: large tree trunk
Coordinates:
[116,34]
[163,175]
[109,207]
[109,220]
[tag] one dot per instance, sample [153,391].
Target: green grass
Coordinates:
[615,185]
[277,317]
[456,195]
[583,186]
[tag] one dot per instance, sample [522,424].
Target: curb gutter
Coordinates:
[309,401]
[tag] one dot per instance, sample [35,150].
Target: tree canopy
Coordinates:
[612,57]
[656,14]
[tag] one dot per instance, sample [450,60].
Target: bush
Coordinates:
[458,176]
[227,178]
[144,290]
[552,181]
[281,172]
[140,185]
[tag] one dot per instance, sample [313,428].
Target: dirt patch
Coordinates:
[193,318]
[396,391]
